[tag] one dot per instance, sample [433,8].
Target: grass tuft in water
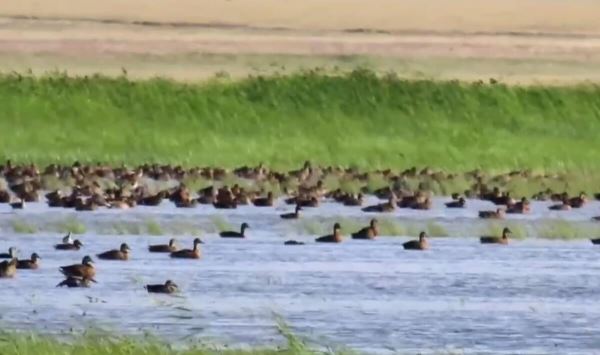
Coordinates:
[154,228]
[20,226]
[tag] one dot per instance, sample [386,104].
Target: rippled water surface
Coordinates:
[533,296]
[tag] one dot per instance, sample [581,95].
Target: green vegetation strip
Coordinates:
[358,119]
[12,343]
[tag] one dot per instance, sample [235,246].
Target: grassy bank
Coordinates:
[355,119]
[19,344]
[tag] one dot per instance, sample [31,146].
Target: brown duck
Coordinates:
[420,244]
[564,206]
[369,232]
[76,245]
[8,269]
[188,253]
[352,200]
[12,253]
[382,207]
[336,237]
[233,234]
[163,248]
[84,270]
[520,207]
[116,254]
[30,264]
[497,214]
[264,201]
[460,203]
[497,240]
[72,282]
[168,288]
[292,215]
[579,201]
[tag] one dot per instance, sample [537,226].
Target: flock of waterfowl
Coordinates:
[86,187]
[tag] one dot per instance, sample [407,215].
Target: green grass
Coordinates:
[21,226]
[350,119]
[90,344]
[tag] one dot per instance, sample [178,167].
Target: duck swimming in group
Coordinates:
[497,240]
[73,282]
[163,248]
[420,244]
[188,253]
[369,232]
[233,234]
[75,245]
[168,287]
[116,254]
[30,264]
[335,237]
[84,270]
[12,253]
[292,215]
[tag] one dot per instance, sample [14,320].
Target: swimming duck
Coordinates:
[293,242]
[579,201]
[8,269]
[420,244]
[168,288]
[497,214]
[163,248]
[187,253]
[564,206]
[264,201]
[76,245]
[12,253]
[369,232]
[422,205]
[233,234]
[458,203]
[31,264]
[18,205]
[292,215]
[336,237]
[383,207]
[497,240]
[519,207]
[352,200]
[72,282]
[84,270]
[116,254]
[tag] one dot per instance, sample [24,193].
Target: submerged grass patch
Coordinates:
[20,226]
[357,118]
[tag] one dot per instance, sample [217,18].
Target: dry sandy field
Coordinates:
[519,41]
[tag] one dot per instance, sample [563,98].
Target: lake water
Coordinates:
[532,297]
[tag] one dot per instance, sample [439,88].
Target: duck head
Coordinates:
[87,260]
[125,248]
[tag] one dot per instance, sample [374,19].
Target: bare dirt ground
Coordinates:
[518,41]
